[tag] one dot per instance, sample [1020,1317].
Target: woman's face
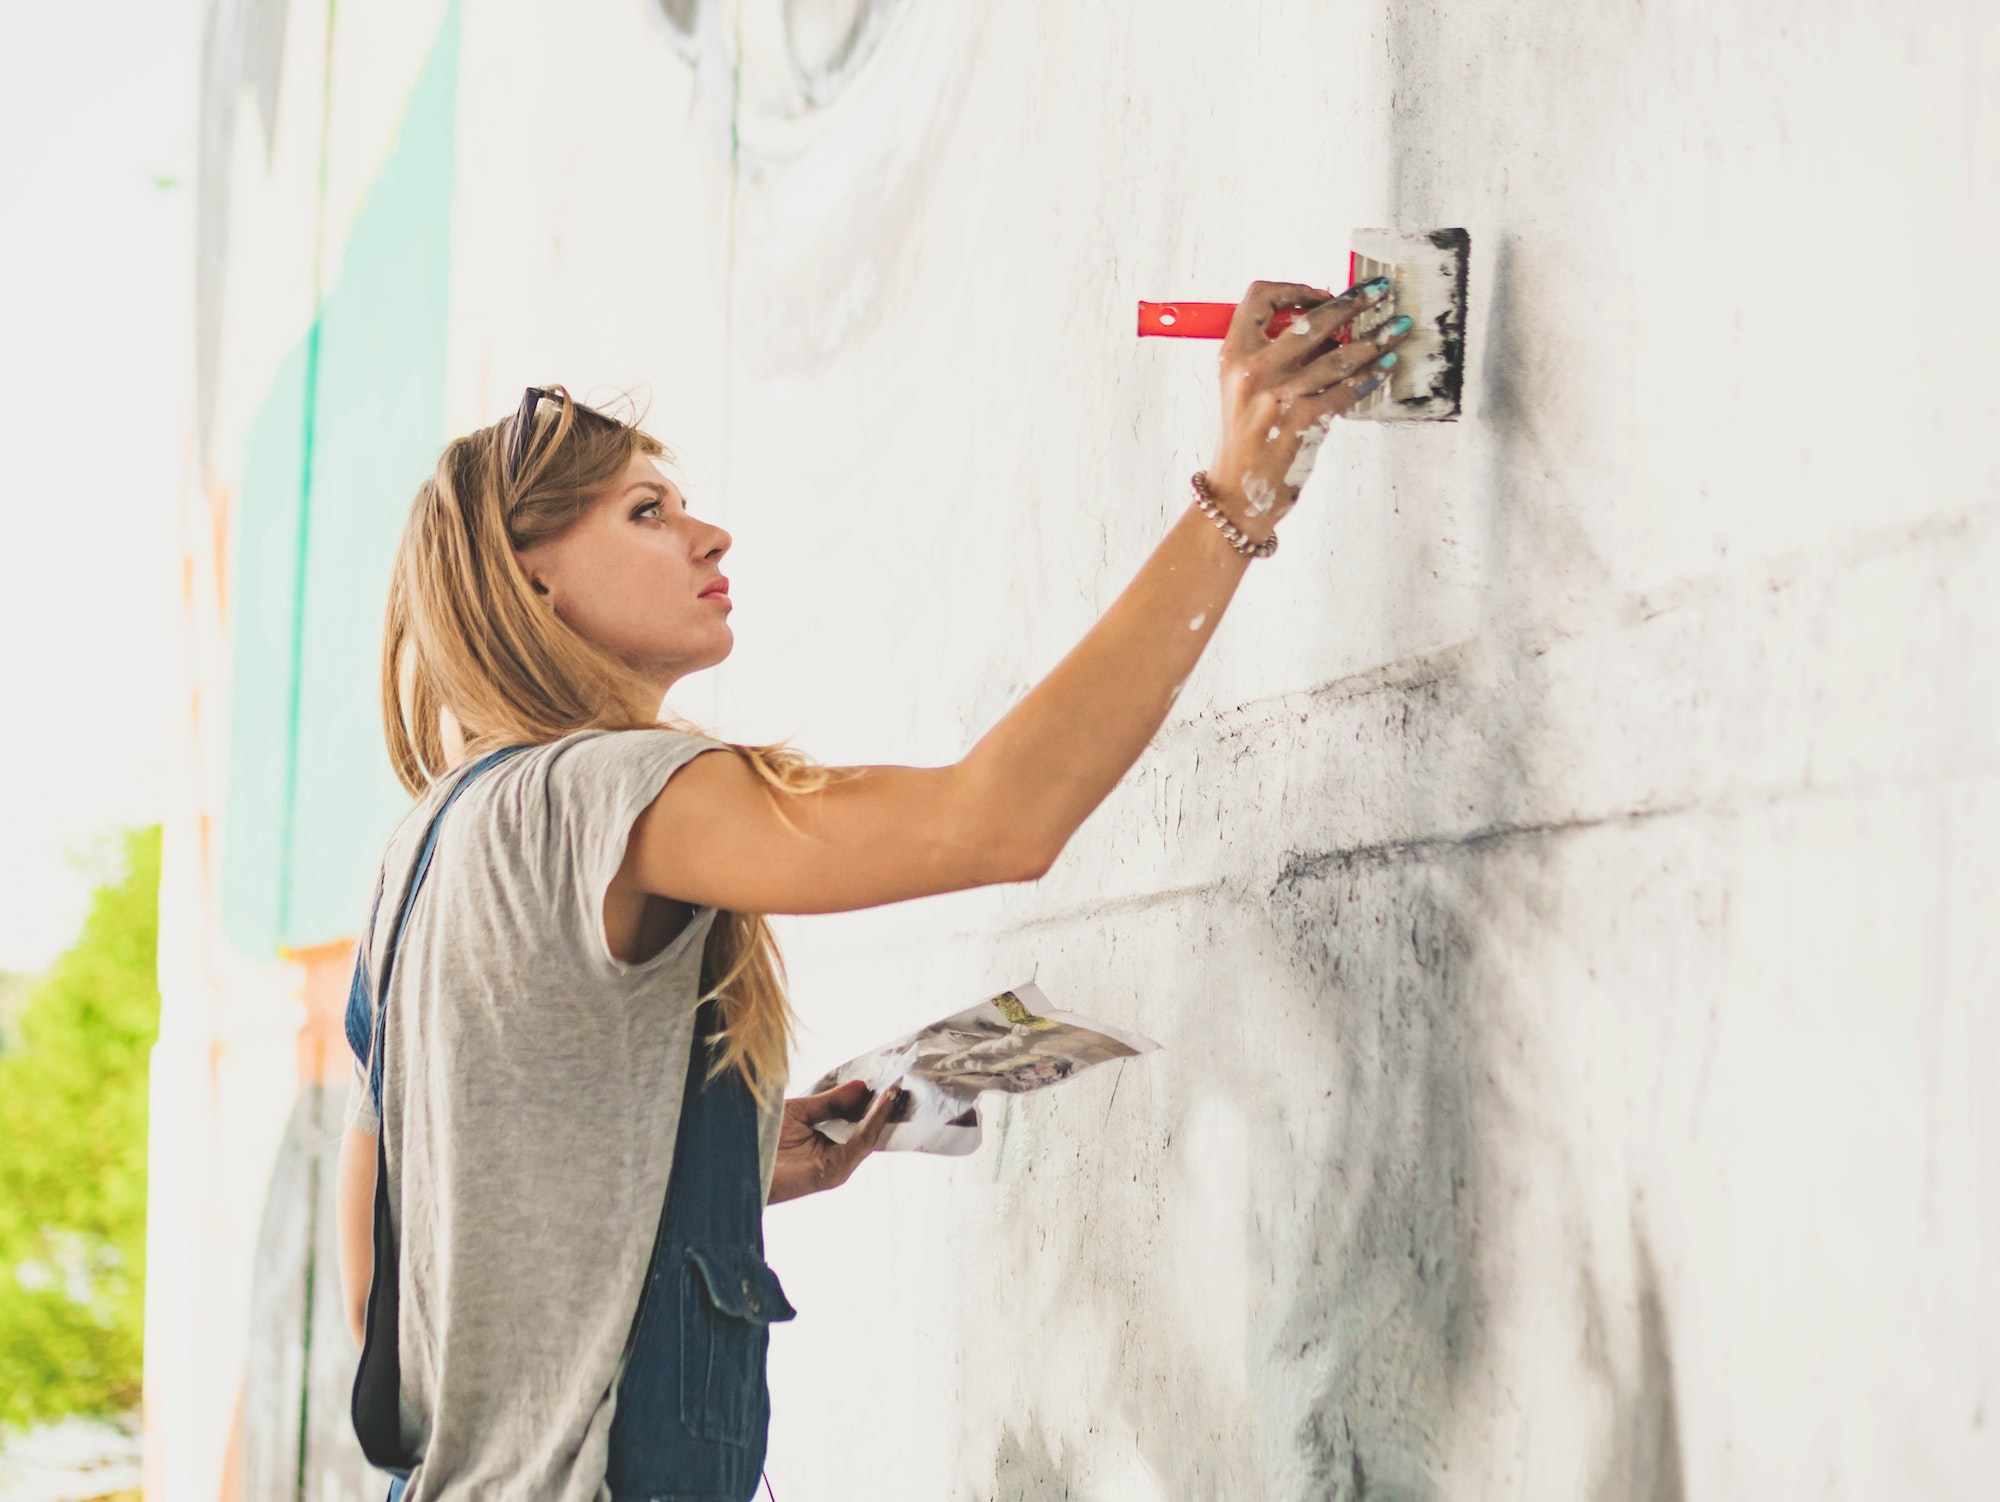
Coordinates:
[639,578]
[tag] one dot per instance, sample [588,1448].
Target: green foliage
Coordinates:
[14,991]
[73,1082]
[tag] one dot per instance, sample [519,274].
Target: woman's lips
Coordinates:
[718,590]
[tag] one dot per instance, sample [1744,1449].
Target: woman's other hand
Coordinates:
[809,1162]
[1282,392]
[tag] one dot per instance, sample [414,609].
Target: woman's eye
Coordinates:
[650,509]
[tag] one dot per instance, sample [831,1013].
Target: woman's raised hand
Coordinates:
[1281,392]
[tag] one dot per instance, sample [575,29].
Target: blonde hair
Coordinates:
[466,634]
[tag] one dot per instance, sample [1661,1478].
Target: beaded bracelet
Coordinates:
[1235,536]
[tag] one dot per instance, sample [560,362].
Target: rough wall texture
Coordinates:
[1561,894]
[1565,891]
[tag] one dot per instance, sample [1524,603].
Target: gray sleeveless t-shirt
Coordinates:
[531,1093]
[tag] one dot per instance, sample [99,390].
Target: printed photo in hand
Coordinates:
[1013,1043]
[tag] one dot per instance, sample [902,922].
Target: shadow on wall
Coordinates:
[1403,947]
[1390,950]
[1643,1461]
[1397,945]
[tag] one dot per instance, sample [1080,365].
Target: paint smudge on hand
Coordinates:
[1309,442]
[1260,495]
[1198,622]
[1300,324]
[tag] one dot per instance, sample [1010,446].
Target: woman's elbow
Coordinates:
[1007,856]
[990,839]
[1033,863]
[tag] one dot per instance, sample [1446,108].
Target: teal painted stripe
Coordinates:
[345,436]
[263,664]
[302,542]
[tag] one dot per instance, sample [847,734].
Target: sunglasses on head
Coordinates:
[523,430]
[524,425]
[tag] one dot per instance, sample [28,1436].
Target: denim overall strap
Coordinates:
[364,1018]
[693,1411]
[376,1405]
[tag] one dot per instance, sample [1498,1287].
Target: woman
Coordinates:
[566,1118]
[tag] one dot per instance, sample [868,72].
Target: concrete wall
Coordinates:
[1565,891]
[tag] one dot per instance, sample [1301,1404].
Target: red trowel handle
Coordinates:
[1206,320]
[1191,320]
[1203,320]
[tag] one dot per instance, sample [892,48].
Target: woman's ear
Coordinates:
[534,568]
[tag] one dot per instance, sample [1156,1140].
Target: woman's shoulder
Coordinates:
[607,776]
[580,787]
[588,754]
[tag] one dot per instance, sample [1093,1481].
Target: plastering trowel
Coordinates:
[1427,283]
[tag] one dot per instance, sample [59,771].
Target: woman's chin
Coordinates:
[719,642]
[661,673]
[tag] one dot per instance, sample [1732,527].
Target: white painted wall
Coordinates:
[1565,893]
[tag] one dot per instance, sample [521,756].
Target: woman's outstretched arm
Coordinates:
[716,836]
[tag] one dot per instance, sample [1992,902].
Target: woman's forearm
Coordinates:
[1052,760]
[354,1223]
[1056,755]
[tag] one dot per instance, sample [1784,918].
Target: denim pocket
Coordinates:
[729,1299]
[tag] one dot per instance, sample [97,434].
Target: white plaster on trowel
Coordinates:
[1426,287]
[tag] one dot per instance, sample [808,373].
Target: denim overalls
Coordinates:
[693,1409]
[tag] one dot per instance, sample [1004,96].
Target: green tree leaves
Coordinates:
[73,1085]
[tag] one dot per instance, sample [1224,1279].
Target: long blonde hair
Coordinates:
[466,634]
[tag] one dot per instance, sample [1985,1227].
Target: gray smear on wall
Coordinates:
[1391,954]
[242,51]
